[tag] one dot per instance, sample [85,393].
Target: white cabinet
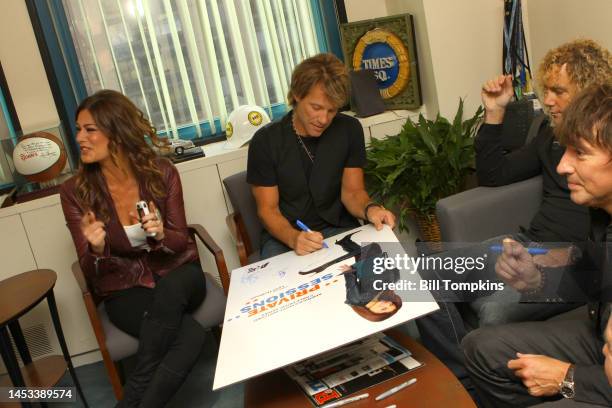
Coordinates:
[205,205]
[53,249]
[15,253]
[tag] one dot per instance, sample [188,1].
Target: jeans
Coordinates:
[170,339]
[442,331]
[488,350]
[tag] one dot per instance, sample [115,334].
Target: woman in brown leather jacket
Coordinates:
[147,267]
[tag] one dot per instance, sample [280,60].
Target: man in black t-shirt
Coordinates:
[309,165]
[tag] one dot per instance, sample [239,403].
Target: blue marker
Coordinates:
[532,251]
[305,228]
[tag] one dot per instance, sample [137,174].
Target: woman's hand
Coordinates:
[94,232]
[152,223]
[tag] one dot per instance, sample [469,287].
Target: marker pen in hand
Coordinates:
[305,228]
[532,251]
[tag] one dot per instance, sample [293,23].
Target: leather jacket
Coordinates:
[122,266]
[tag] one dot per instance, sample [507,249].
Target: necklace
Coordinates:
[301,142]
[310,155]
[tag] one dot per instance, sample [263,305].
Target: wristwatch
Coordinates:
[567,385]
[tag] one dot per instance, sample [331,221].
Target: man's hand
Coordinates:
[345,268]
[307,242]
[607,351]
[379,216]
[496,94]
[554,258]
[541,375]
[94,232]
[516,267]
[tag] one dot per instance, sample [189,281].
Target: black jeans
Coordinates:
[442,331]
[175,295]
[488,350]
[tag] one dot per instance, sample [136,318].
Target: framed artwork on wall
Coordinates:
[387,46]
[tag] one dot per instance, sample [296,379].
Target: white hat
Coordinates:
[242,124]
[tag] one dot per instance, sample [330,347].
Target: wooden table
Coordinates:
[18,295]
[436,386]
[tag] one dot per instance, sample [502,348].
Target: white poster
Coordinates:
[284,309]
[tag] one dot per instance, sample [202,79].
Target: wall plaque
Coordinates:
[386,46]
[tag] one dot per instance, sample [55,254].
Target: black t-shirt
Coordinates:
[265,165]
[310,218]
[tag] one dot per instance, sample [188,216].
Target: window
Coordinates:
[6,137]
[8,134]
[188,63]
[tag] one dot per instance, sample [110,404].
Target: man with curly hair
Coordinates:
[561,75]
[523,364]
[564,71]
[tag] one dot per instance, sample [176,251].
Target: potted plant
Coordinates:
[428,160]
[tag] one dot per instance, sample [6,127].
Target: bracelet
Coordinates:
[535,291]
[367,207]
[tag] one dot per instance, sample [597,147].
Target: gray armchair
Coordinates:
[115,345]
[485,212]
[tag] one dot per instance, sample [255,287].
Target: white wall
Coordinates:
[429,94]
[460,42]
[554,22]
[23,68]
[465,38]
[365,9]
[460,46]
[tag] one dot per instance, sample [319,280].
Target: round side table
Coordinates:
[18,295]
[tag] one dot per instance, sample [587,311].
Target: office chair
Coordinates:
[244,222]
[115,345]
[484,212]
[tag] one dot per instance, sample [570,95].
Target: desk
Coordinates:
[18,295]
[436,386]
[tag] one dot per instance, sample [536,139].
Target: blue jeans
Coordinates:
[273,247]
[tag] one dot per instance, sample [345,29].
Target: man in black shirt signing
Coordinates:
[309,165]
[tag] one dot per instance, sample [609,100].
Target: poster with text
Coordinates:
[287,308]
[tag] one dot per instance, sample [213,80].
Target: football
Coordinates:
[39,156]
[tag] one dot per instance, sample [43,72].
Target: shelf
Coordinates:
[43,373]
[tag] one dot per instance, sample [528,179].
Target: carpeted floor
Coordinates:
[196,392]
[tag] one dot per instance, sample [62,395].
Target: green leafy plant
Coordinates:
[428,160]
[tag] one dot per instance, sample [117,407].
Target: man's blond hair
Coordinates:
[324,69]
[585,61]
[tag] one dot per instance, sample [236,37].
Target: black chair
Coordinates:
[244,222]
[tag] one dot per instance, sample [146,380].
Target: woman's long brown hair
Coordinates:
[126,127]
